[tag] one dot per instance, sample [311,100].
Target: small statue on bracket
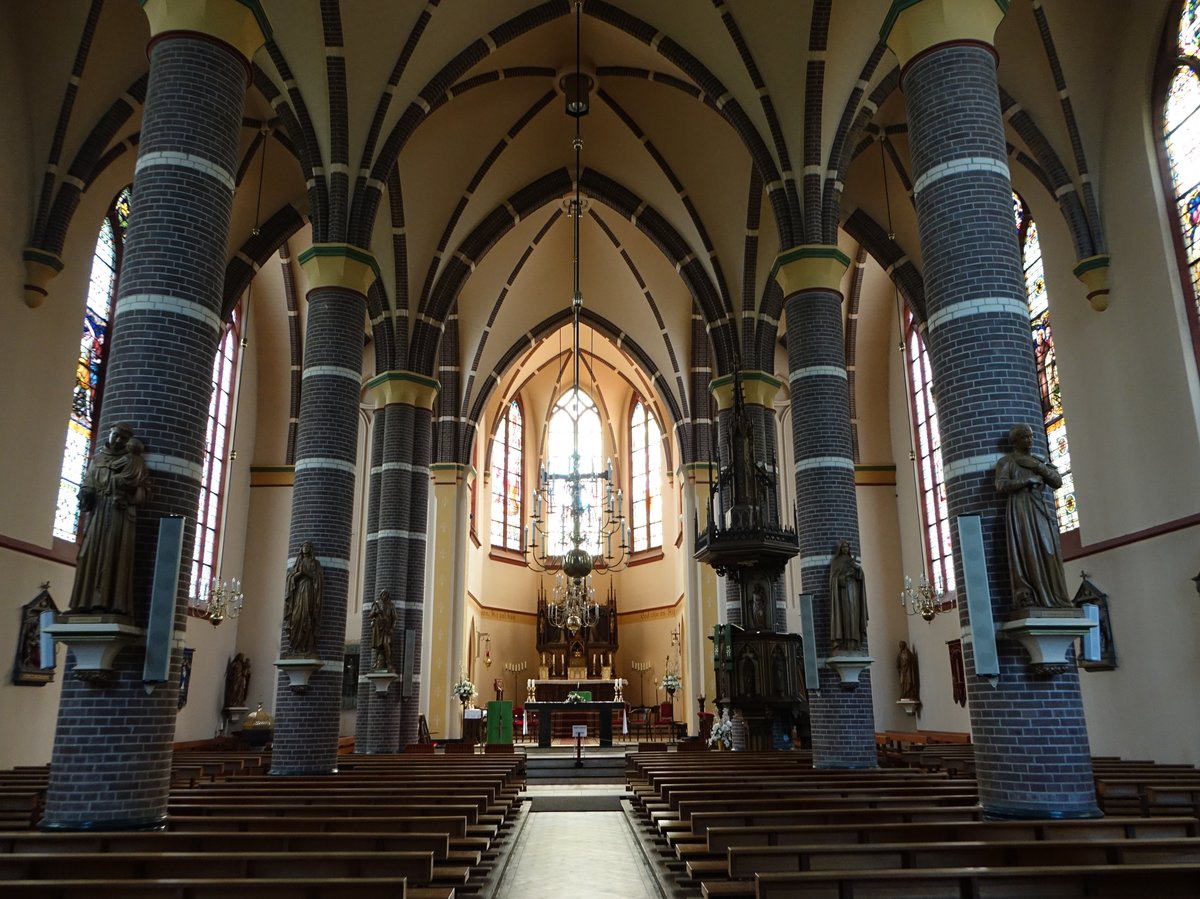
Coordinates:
[302,603]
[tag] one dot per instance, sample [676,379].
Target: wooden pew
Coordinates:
[1034,883]
[216,888]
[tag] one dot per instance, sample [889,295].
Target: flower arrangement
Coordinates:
[671,682]
[722,732]
[574,698]
[464,689]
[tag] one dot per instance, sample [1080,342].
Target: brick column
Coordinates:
[843,724]
[406,399]
[702,579]
[339,275]
[365,689]
[1031,747]
[111,760]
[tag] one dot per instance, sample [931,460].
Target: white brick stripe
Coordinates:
[174,158]
[157,302]
[326,562]
[816,561]
[400,466]
[321,462]
[397,533]
[977,306]
[970,465]
[824,462]
[174,465]
[336,371]
[959,167]
[814,371]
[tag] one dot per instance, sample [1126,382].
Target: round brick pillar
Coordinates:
[339,275]
[111,759]
[843,724]
[364,687]
[1031,747]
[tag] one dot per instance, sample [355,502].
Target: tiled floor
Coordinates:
[587,855]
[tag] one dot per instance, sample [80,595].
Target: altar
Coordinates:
[546,711]
[556,690]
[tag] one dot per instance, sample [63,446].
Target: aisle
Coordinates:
[582,854]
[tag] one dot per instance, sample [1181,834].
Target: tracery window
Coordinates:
[507,460]
[216,452]
[574,409]
[935,512]
[1178,92]
[645,444]
[89,366]
[1047,365]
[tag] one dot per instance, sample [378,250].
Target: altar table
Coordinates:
[546,711]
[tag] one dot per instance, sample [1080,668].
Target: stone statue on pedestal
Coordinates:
[847,602]
[383,630]
[302,603]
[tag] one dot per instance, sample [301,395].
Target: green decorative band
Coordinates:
[1089,264]
[898,6]
[32,254]
[340,250]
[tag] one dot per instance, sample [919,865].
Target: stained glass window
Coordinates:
[574,410]
[935,513]
[645,443]
[89,366]
[1047,365]
[1180,86]
[216,452]
[507,459]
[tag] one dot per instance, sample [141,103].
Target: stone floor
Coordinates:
[585,855]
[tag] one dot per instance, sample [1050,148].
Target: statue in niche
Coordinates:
[30,668]
[1089,594]
[302,603]
[906,669]
[237,681]
[758,607]
[749,673]
[383,631]
[1031,526]
[779,671]
[116,483]
[847,602]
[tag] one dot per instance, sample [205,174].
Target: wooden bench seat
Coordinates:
[328,810]
[702,821]
[1032,882]
[218,888]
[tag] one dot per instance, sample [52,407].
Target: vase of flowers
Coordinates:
[671,682]
[464,690]
[574,698]
[722,733]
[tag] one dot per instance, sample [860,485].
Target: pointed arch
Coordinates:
[507,481]
[645,478]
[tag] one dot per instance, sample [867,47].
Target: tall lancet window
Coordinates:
[1047,364]
[645,494]
[216,455]
[507,458]
[89,365]
[1178,92]
[935,512]
[573,409]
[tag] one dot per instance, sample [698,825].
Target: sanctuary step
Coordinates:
[557,766]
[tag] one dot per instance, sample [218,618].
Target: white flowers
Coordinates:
[671,682]
[464,690]
[722,732]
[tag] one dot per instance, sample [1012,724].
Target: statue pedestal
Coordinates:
[235,715]
[95,641]
[1047,635]
[299,671]
[849,668]
[382,679]
[908,706]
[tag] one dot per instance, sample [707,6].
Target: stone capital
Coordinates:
[239,24]
[40,269]
[403,387]
[339,265]
[1093,272]
[914,26]
[447,474]
[810,267]
[758,389]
